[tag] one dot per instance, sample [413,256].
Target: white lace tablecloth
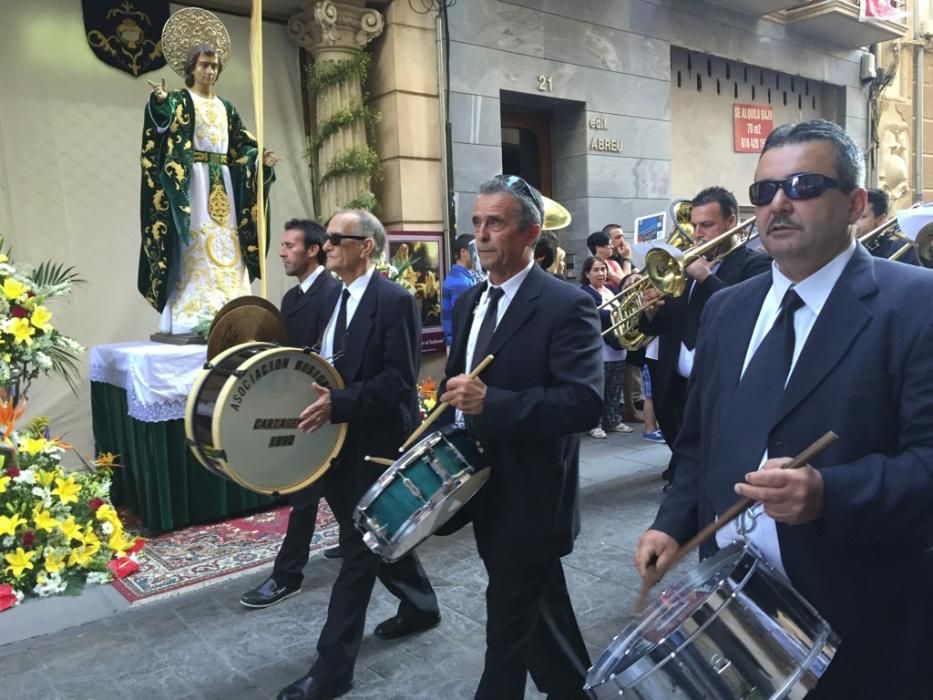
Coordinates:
[156,376]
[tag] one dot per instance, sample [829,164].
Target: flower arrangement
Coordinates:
[402,275]
[427,397]
[58,530]
[29,344]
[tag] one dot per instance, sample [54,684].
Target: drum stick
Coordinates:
[439,409]
[731,514]
[379,460]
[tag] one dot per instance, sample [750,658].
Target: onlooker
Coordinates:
[873,215]
[594,284]
[621,250]
[458,280]
[599,246]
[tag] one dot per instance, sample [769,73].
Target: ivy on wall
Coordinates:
[352,161]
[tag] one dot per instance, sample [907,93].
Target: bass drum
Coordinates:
[733,628]
[241,419]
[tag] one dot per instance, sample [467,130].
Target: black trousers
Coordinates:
[342,634]
[670,414]
[293,554]
[531,627]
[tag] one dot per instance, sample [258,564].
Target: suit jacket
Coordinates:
[865,372]
[379,366]
[544,386]
[668,323]
[302,311]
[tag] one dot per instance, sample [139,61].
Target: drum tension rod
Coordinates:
[412,488]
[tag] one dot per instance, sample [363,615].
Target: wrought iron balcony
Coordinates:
[837,21]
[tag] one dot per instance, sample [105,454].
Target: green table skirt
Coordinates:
[160,478]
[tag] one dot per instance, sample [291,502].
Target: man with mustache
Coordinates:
[832,339]
[675,321]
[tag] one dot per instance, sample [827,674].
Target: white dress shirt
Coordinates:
[813,291]
[306,283]
[509,290]
[357,289]
[685,359]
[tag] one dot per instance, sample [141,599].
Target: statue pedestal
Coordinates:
[178,339]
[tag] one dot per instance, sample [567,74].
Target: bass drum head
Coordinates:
[256,422]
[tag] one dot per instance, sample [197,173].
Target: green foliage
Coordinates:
[355,161]
[366,200]
[324,74]
[339,120]
[50,274]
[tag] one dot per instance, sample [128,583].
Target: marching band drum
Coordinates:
[732,628]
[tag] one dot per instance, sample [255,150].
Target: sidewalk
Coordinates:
[205,645]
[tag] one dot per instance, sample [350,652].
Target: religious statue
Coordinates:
[198,198]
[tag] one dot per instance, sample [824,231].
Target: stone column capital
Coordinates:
[328,27]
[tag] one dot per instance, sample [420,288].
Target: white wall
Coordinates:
[70,130]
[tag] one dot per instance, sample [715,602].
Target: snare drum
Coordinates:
[241,419]
[420,492]
[733,628]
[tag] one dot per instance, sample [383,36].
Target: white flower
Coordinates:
[41,492]
[106,528]
[97,578]
[27,476]
[7,541]
[43,361]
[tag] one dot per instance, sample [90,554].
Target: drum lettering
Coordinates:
[275,424]
[281,441]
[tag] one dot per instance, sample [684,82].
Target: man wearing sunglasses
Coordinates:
[372,330]
[676,321]
[542,389]
[832,339]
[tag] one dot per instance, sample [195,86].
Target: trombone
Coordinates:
[666,272]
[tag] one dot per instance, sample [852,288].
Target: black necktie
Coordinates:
[340,325]
[488,327]
[742,434]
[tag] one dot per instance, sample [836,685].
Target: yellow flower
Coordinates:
[19,561]
[44,520]
[21,329]
[72,530]
[106,460]
[41,317]
[4,258]
[12,289]
[4,480]
[82,556]
[33,446]
[108,512]
[45,477]
[54,562]
[90,537]
[8,525]
[119,542]
[67,490]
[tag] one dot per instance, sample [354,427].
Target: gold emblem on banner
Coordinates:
[218,204]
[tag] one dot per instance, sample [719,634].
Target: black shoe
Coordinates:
[267,593]
[310,688]
[333,553]
[402,626]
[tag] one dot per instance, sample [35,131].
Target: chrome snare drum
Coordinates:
[733,628]
[241,420]
[420,492]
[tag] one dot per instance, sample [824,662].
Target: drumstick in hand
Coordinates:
[734,511]
[439,409]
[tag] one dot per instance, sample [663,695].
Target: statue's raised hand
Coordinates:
[158,89]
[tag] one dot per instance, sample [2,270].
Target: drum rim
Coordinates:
[194,394]
[336,383]
[374,489]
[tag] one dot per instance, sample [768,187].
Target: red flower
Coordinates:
[95,503]
[137,545]
[30,294]
[18,312]
[12,471]
[29,538]
[121,567]
[7,597]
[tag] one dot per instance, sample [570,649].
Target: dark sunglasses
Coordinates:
[336,239]
[520,187]
[799,186]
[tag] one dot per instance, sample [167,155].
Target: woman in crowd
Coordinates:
[594,283]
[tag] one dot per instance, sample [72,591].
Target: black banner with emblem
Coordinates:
[126,34]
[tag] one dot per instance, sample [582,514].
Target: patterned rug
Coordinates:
[205,555]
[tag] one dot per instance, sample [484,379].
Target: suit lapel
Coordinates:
[457,360]
[520,310]
[731,356]
[840,322]
[359,329]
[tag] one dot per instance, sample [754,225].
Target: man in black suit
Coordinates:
[832,339]
[543,388]
[874,215]
[302,254]
[675,321]
[371,327]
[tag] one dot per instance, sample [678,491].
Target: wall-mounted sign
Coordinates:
[751,125]
[597,143]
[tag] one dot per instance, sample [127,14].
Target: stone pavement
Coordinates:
[205,645]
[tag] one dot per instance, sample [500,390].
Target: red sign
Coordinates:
[752,124]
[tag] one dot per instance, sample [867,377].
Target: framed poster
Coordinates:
[651,227]
[416,260]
